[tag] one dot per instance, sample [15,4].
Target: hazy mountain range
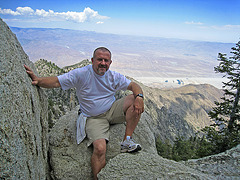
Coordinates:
[135,56]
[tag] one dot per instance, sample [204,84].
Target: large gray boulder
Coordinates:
[151,166]
[71,161]
[23,117]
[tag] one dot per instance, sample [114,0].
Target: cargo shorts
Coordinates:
[97,127]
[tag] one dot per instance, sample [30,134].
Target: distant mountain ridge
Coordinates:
[47,68]
[135,56]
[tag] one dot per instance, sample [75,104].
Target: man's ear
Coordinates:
[92,60]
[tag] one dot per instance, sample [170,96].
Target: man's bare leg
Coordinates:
[132,118]
[98,160]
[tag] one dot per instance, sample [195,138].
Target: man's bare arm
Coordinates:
[45,82]
[135,88]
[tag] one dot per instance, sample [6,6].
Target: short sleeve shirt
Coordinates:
[95,93]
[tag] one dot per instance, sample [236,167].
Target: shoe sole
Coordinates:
[138,148]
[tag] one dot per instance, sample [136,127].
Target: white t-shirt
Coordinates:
[95,93]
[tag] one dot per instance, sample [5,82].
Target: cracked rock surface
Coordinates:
[23,118]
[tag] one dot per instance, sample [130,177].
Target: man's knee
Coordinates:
[99,146]
[128,102]
[130,98]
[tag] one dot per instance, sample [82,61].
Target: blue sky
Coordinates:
[207,20]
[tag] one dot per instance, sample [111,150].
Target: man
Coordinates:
[95,87]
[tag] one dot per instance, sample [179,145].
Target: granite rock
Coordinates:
[23,119]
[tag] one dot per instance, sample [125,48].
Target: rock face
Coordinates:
[147,166]
[23,120]
[150,166]
[222,166]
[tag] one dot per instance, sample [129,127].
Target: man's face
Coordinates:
[101,62]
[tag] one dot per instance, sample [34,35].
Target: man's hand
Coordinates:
[32,75]
[138,105]
[46,82]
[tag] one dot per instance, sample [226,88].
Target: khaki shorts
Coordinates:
[97,127]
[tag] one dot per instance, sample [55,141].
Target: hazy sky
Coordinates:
[208,20]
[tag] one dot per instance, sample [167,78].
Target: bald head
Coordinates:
[103,49]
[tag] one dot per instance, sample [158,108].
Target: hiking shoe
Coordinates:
[130,146]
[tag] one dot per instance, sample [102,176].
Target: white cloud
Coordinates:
[99,22]
[224,27]
[9,11]
[193,23]
[43,13]
[19,11]
[87,15]
[25,10]
[229,26]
